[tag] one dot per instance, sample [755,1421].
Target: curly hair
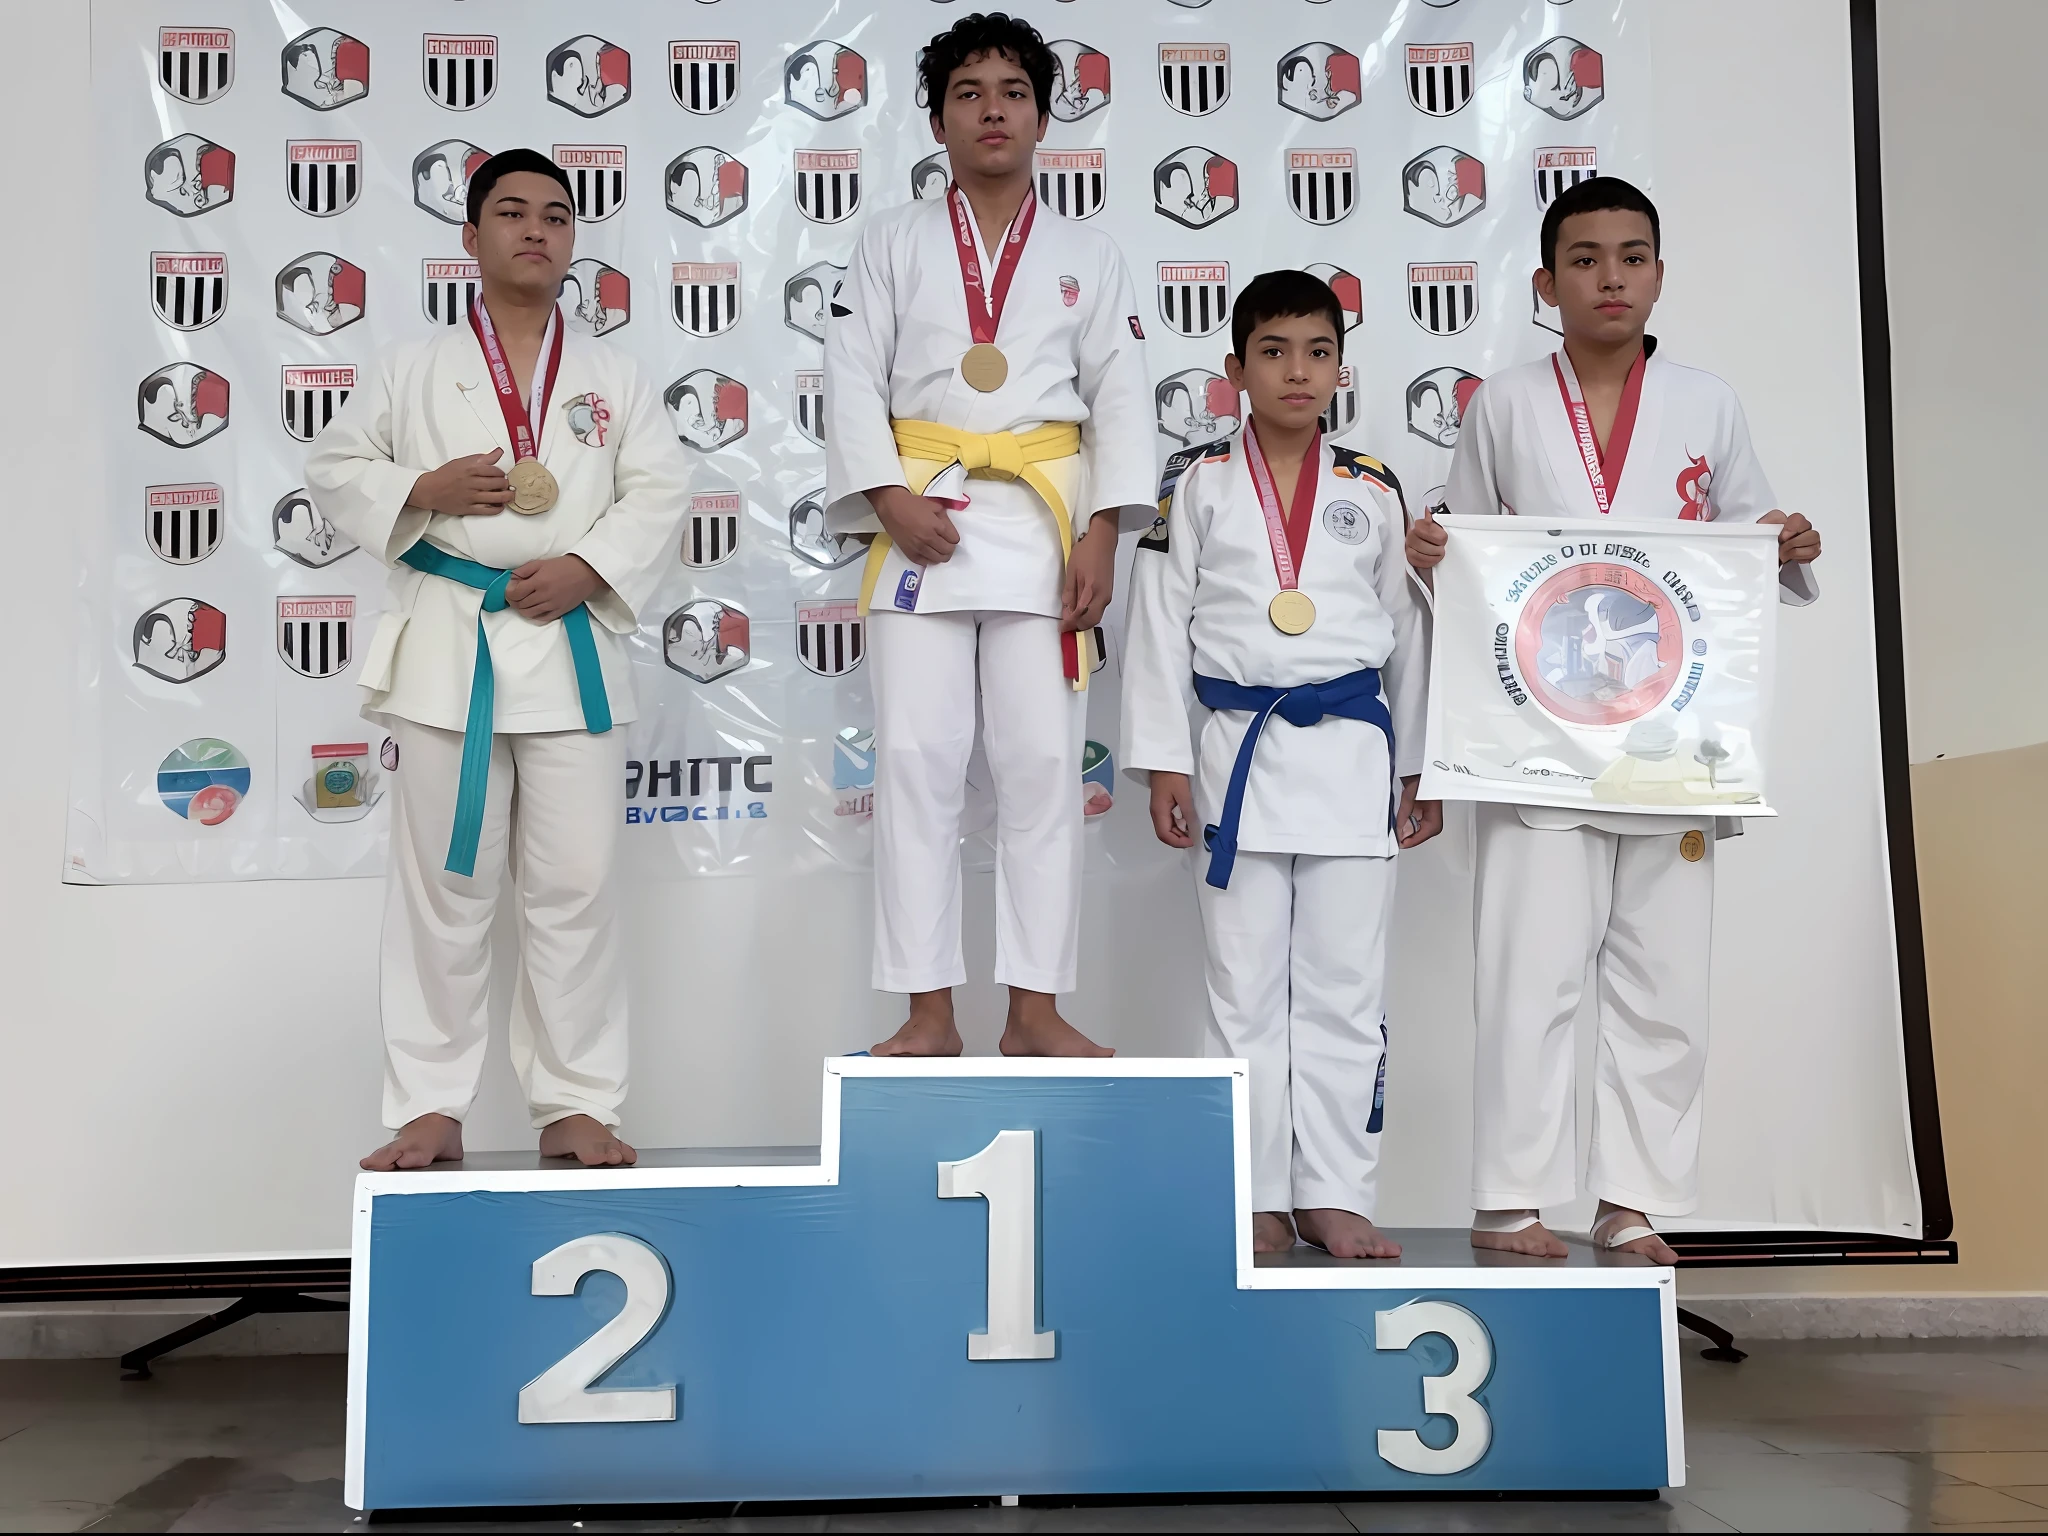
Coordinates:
[985,32]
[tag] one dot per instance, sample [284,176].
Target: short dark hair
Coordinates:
[1597,194]
[505,163]
[1283,295]
[986,32]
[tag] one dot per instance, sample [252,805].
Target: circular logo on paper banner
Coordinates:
[203,780]
[1598,644]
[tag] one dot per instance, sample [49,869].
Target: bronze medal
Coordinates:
[984,367]
[533,486]
[1292,612]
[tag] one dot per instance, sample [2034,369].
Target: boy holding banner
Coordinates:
[1556,890]
[985,385]
[1273,584]
[557,490]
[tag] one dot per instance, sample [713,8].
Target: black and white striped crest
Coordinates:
[323,177]
[315,635]
[1562,166]
[827,184]
[461,72]
[1342,414]
[830,637]
[1439,77]
[817,544]
[711,528]
[598,173]
[1071,182]
[1443,297]
[704,296]
[810,405]
[1322,184]
[188,288]
[1194,77]
[1194,296]
[312,396]
[195,64]
[703,76]
[183,524]
[447,289]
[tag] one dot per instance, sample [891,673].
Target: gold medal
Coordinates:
[984,367]
[533,486]
[1291,612]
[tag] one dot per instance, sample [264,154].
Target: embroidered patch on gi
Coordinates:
[1692,847]
[589,416]
[1346,522]
[1070,291]
[1137,330]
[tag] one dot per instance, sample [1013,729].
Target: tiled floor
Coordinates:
[1816,1436]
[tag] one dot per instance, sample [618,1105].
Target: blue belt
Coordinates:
[476,733]
[1354,696]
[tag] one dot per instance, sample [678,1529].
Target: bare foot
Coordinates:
[1536,1240]
[420,1142]
[1035,1028]
[1345,1234]
[591,1144]
[1619,1218]
[1272,1232]
[929,1031]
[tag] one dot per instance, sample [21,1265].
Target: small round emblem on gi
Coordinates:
[1346,522]
[984,367]
[1291,612]
[533,486]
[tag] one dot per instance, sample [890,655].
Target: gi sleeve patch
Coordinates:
[1348,465]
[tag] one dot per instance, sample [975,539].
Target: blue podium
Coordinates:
[992,1278]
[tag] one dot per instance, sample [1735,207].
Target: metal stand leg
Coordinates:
[1722,1341]
[135,1364]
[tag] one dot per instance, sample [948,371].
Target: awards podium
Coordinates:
[993,1278]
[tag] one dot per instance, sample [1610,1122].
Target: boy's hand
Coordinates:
[471,486]
[1173,809]
[544,590]
[1798,540]
[1415,823]
[1426,540]
[922,528]
[1091,574]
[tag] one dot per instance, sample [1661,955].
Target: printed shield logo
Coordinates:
[1194,296]
[589,418]
[930,177]
[598,173]
[589,76]
[704,296]
[326,69]
[1349,290]
[1320,80]
[825,80]
[810,405]
[195,64]
[180,640]
[182,404]
[460,71]
[702,76]
[1443,298]
[1322,184]
[1439,77]
[1194,77]
[1194,186]
[711,528]
[1560,166]
[814,542]
[1196,406]
[315,634]
[830,637]
[440,178]
[853,772]
[807,298]
[188,289]
[183,524]
[448,288]
[706,639]
[1444,185]
[1564,78]
[1436,404]
[300,532]
[597,298]
[189,175]
[706,185]
[827,184]
[1080,84]
[1071,182]
[1342,414]
[309,397]
[708,409]
[323,177]
[319,293]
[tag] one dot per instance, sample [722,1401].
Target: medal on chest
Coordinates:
[533,485]
[1292,611]
[984,368]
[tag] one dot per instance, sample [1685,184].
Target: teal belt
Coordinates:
[476,734]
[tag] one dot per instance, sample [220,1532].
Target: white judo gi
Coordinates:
[989,616]
[553,810]
[1557,891]
[1296,945]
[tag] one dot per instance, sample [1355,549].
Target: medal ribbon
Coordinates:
[1605,486]
[985,307]
[1288,535]
[522,419]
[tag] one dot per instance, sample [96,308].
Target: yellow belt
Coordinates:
[929,449]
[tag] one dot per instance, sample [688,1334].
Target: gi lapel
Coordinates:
[470,378]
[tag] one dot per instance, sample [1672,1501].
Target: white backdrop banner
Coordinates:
[1604,665]
[283,196]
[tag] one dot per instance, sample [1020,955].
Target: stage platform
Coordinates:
[992,1278]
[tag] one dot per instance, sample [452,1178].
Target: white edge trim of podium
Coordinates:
[826,1171]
